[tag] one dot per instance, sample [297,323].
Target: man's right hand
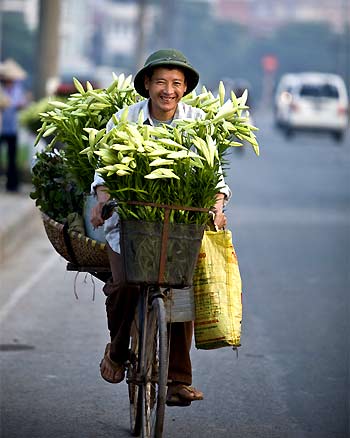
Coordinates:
[96,212]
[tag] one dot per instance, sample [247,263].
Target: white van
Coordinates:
[312,101]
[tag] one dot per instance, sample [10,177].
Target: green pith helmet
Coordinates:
[164,58]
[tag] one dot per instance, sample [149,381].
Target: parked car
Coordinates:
[283,98]
[66,86]
[312,101]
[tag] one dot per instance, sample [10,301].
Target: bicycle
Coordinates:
[147,367]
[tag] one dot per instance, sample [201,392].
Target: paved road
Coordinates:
[290,221]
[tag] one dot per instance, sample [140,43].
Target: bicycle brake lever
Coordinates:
[107,209]
[213,226]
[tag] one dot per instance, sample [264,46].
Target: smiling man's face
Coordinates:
[166,87]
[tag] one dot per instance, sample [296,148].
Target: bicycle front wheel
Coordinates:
[133,381]
[154,366]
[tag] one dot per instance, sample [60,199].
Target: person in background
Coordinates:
[13,93]
[4,103]
[165,78]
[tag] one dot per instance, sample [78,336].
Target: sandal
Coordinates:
[182,395]
[107,366]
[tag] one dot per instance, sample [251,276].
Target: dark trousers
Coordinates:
[12,172]
[121,303]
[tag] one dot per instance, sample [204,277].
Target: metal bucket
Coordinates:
[142,245]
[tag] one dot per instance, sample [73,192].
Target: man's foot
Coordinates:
[180,394]
[111,371]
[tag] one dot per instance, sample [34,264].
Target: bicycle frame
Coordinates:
[147,368]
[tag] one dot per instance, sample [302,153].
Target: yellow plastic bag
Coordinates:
[217,288]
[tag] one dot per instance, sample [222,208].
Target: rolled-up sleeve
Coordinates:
[224,188]
[98,181]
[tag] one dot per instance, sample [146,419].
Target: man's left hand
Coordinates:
[220,220]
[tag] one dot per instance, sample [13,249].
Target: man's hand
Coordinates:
[96,215]
[96,212]
[220,220]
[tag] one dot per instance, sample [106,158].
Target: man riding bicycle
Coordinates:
[166,77]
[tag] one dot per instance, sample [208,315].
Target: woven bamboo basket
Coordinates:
[75,247]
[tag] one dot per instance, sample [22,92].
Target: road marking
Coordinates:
[25,287]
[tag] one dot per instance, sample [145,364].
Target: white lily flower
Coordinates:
[161,173]
[161,162]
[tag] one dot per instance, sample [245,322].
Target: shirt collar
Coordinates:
[146,114]
[179,113]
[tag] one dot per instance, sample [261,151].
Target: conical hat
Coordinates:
[9,69]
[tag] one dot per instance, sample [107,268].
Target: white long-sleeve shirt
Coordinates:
[183,111]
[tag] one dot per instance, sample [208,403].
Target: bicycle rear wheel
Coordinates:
[154,369]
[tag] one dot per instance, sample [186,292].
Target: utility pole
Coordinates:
[1,24]
[141,37]
[47,50]
[346,31]
[166,24]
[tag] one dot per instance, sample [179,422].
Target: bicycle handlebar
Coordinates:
[108,208]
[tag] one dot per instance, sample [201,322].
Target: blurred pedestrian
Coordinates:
[4,102]
[11,77]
